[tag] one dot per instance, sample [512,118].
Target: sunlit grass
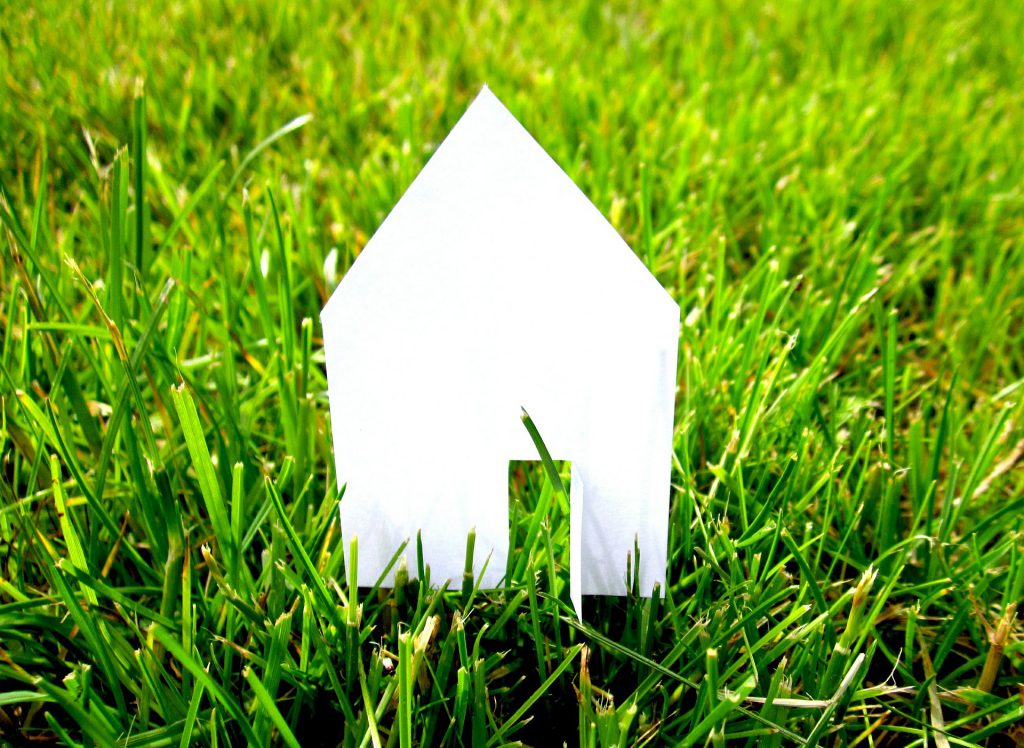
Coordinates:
[832,194]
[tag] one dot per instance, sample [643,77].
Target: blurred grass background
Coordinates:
[833,193]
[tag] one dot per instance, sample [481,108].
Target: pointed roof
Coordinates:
[491,188]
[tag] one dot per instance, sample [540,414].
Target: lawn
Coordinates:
[834,194]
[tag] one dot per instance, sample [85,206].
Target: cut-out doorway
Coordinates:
[539,526]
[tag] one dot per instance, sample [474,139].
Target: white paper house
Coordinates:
[495,285]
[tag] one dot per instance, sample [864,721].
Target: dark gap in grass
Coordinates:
[539,546]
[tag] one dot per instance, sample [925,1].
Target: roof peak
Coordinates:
[491,201]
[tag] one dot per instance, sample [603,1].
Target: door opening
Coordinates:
[538,511]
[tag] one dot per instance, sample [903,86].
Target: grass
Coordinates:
[832,193]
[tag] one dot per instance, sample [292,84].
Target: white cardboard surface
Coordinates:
[493,285]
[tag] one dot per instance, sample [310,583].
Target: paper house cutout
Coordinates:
[495,285]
